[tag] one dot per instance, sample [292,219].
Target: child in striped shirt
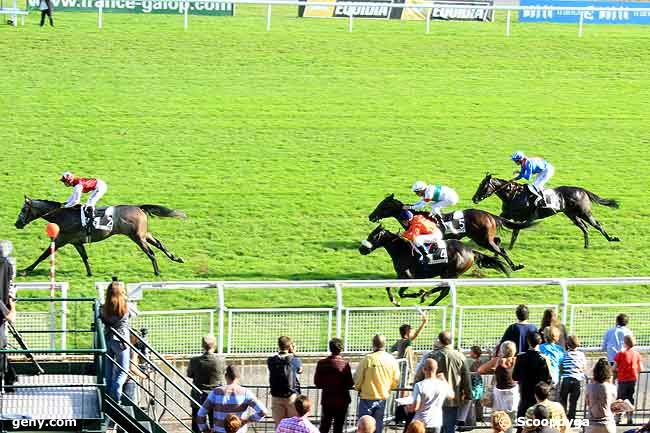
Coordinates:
[573,374]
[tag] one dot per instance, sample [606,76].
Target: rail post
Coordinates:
[508,17]
[454,300]
[581,24]
[185,15]
[565,299]
[222,312]
[100,14]
[350,22]
[339,308]
[428,20]
[268,17]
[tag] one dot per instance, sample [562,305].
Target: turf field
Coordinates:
[278,145]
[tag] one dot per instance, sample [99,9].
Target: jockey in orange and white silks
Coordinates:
[421,231]
[96,187]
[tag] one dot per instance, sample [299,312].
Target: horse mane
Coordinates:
[49,203]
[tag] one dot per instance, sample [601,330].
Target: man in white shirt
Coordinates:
[429,396]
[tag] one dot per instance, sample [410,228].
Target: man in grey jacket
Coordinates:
[451,363]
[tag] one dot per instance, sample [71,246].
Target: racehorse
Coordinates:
[480,226]
[573,201]
[130,221]
[408,266]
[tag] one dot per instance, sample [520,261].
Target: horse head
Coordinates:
[376,239]
[388,207]
[485,189]
[34,209]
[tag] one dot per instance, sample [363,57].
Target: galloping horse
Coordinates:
[480,226]
[130,221]
[407,265]
[574,202]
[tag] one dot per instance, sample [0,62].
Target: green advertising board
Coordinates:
[142,6]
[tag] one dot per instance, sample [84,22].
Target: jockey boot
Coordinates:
[424,253]
[90,219]
[438,219]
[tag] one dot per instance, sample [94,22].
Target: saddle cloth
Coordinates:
[454,222]
[103,218]
[439,253]
[552,199]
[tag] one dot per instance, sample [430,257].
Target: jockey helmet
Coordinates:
[406,215]
[420,185]
[518,156]
[65,176]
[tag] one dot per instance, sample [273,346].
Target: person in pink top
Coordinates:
[299,423]
[627,365]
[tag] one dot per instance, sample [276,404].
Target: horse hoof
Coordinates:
[181,260]
[23,273]
[518,267]
[615,239]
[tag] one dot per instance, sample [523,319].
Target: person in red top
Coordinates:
[627,366]
[422,231]
[96,187]
[334,376]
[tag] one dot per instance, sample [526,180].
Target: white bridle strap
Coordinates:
[366,244]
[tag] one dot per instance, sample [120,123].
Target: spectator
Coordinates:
[429,396]
[404,346]
[376,375]
[45,6]
[627,365]
[451,363]
[130,388]
[600,394]
[543,414]
[284,368]
[554,353]
[469,412]
[7,306]
[613,339]
[550,319]
[207,373]
[300,422]
[416,427]
[556,411]
[517,332]
[501,421]
[115,315]
[505,394]
[573,368]
[366,424]
[530,369]
[232,423]
[334,376]
[230,399]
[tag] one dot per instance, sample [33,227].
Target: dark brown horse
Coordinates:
[479,226]
[130,221]
[573,201]
[408,266]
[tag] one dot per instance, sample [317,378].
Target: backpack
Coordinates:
[282,375]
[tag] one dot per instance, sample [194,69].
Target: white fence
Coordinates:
[253,331]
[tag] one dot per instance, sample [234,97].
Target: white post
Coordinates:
[100,12]
[508,22]
[222,312]
[350,23]
[452,286]
[185,15]
[52,294]
[580,24]
[268,17]
[565,299]
[64,314]
[339,308]
[427,19]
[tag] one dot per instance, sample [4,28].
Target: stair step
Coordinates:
[129,410]
[146,425]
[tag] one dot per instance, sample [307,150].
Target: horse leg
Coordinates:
[426,293]
[142,243]
[500,251]
[82,253]
[391,298]
[595,224]
[513,238]
[42,257]
[156,243]
[444,291]
[582,226]
[403,294]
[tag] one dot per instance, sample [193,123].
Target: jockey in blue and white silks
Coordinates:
[539,167]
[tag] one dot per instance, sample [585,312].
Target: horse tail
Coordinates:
[485,261]
[162,211]
[504,222]
[603,201]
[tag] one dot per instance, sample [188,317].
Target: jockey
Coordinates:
[438,196]
[421,231]
[84,185]
[542,170]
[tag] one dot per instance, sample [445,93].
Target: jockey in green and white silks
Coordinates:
[437,196]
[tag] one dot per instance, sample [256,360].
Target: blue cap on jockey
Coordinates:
[406,215]
[518,156]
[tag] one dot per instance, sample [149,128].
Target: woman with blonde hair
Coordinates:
[505,394]
[115,316]
[501,422]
